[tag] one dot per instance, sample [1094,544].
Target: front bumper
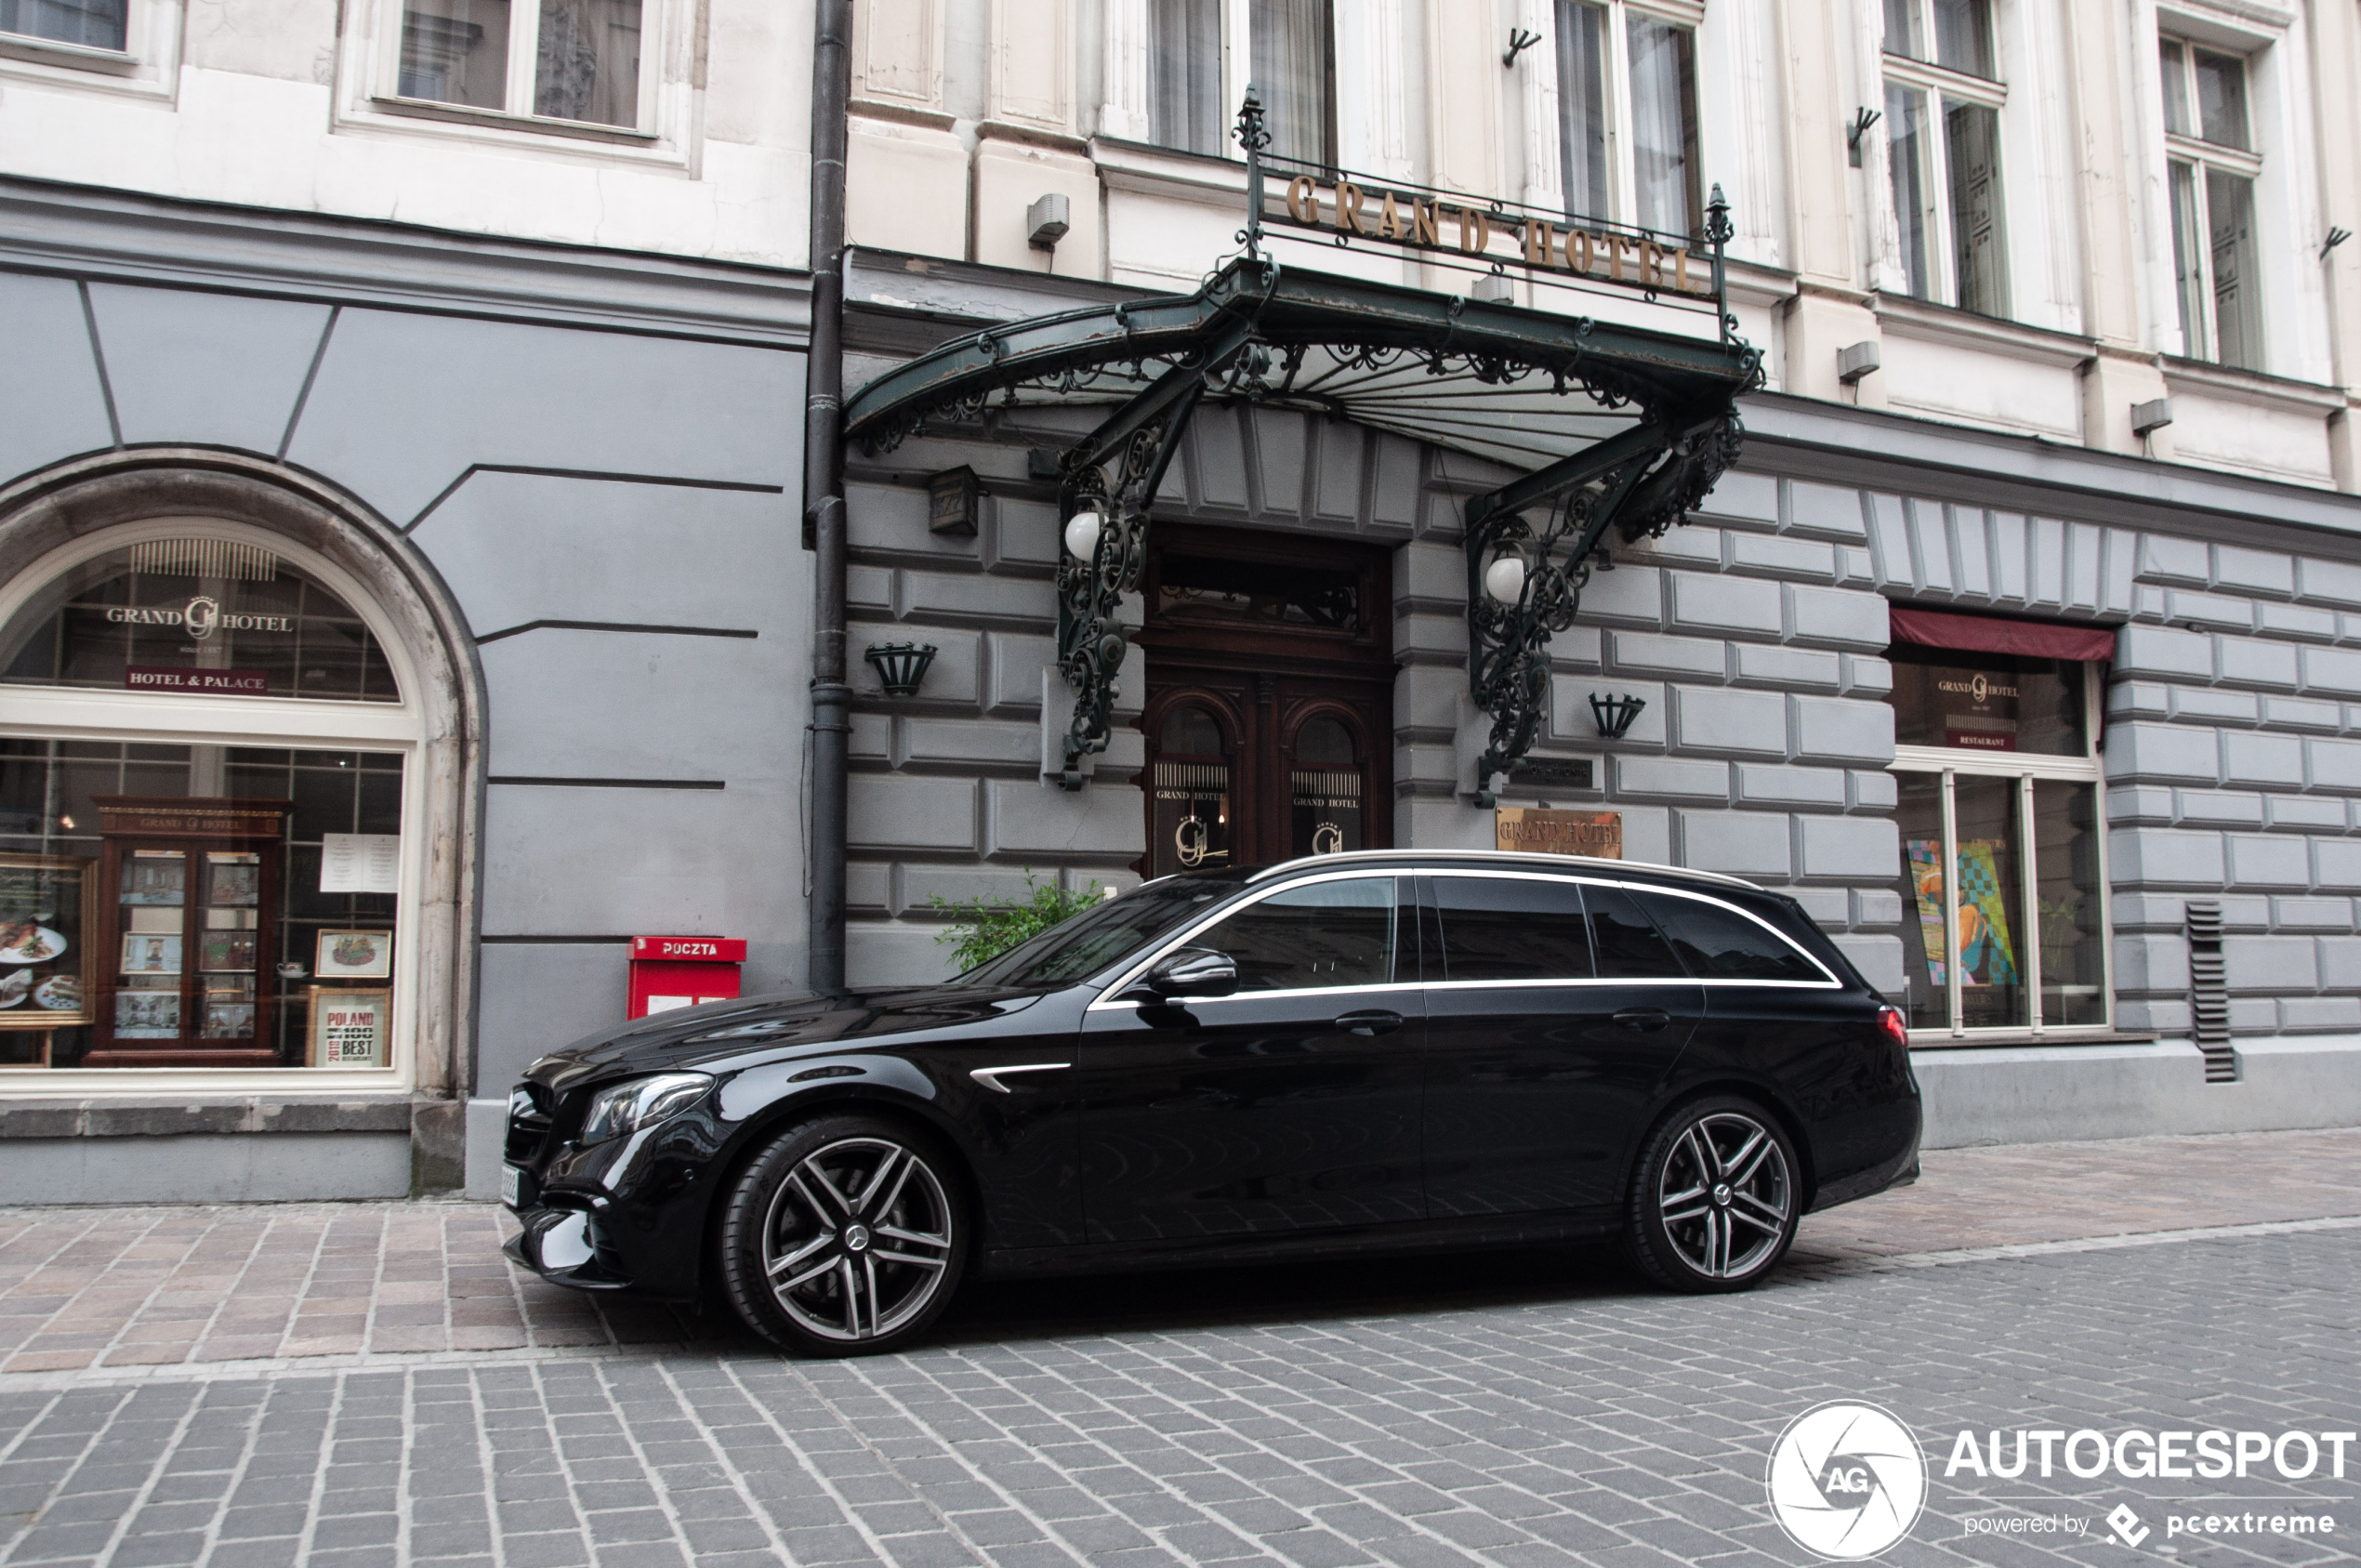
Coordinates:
[564,1247]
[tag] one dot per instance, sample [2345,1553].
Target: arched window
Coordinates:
[1324,788]
[211,831]
[1192,784]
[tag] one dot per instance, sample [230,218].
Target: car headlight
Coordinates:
[642,1103]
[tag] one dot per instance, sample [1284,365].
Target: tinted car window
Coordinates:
[1720,943]
[1505,928]
[1089,942]
[1326,933]
[1628,942]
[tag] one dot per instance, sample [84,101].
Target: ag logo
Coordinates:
[1846,1481]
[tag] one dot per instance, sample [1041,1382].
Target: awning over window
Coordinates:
[1998,634]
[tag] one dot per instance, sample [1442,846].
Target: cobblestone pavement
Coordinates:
[156,1287]
[1515,1410]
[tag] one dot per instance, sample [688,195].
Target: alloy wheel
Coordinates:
[1725,1197]
[857,1240]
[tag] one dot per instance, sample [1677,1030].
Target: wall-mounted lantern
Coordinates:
[1504,579]
[1613,714]
[1082,535]
[901,666]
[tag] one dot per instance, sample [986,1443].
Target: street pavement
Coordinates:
[372,1384]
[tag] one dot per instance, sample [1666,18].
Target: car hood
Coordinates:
[721,1035]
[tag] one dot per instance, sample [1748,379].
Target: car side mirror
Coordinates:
[1194,972]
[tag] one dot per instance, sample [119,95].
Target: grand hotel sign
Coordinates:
[1469,231]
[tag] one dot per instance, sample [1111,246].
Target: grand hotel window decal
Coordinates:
[1620,420]
[1191,782]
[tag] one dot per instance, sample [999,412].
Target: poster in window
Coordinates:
[236,881]
[1987,955]
[226,953]
[150,955]
[154,877]
[354,955]
[228,1020]
[147,1015]
[48,904]
[350,1028]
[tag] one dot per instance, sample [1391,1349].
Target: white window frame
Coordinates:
[1941,83]
[290,723]
[661,133]
[1548,143]
[148,65]
[2207,156]
[1952,763]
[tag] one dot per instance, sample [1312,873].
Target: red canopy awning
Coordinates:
[1996,634]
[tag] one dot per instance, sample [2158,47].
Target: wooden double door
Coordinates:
[1270,701]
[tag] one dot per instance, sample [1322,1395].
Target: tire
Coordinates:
[1691,1228]
[846,1236]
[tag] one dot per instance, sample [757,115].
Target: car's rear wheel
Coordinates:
[1714,1198]
[846,1236]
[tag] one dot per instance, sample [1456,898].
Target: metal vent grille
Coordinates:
[2209,992]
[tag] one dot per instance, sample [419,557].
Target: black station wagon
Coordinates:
[1354,1053]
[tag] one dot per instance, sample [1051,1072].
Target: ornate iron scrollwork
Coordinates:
[1091,636]
[1642,489]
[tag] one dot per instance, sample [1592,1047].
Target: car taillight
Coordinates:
[1891,1021]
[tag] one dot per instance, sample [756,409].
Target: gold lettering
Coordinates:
[1391,225]
[1615,257]
[1578,255]
[1349,208]
[1303,199]
[1680,271]
[1540,242]
[1475,231]
[1426,223]
[1651,263]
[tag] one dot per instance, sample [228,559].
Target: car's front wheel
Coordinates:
[845,1236]
[1714,1199]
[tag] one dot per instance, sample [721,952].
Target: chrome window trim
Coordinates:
[1829,982]
[1105,1000]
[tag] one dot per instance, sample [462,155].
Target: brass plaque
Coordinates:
[1534,830]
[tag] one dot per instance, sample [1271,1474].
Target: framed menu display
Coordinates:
[186,894]
[48,920]
[348,1028]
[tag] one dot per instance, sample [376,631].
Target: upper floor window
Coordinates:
[92,24]
[1627,116]
[1185,111]
[555,59]
[1942,106]
[1289,57]
[2212,166]
[1295,67]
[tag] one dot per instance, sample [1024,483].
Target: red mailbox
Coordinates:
[669,972]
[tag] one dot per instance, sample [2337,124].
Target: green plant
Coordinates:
[984,928]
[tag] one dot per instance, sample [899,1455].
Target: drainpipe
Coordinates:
[824,518]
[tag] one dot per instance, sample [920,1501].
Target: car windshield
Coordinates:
[1089,942]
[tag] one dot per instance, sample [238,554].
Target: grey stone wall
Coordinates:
[611,504]
[1756,637]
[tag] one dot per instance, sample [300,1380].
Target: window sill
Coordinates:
[488,119]
[47,51]
[1941,1040]
[1908,316]
[2256,388]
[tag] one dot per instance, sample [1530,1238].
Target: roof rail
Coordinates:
[1501,856]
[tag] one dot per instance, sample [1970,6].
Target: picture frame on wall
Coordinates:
[150,955]
[353,955]
[348,1028]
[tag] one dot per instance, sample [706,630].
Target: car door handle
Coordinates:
[1643,1020]
[1371,1023]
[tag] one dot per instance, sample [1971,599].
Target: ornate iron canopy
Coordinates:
[1619,425]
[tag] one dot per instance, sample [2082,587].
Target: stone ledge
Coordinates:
[246,1113]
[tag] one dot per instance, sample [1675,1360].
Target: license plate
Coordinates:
[511,1184]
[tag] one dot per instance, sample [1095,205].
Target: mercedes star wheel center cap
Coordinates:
[856,1238]
[1721,1192]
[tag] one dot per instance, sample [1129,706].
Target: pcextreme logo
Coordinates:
[1846,1481]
